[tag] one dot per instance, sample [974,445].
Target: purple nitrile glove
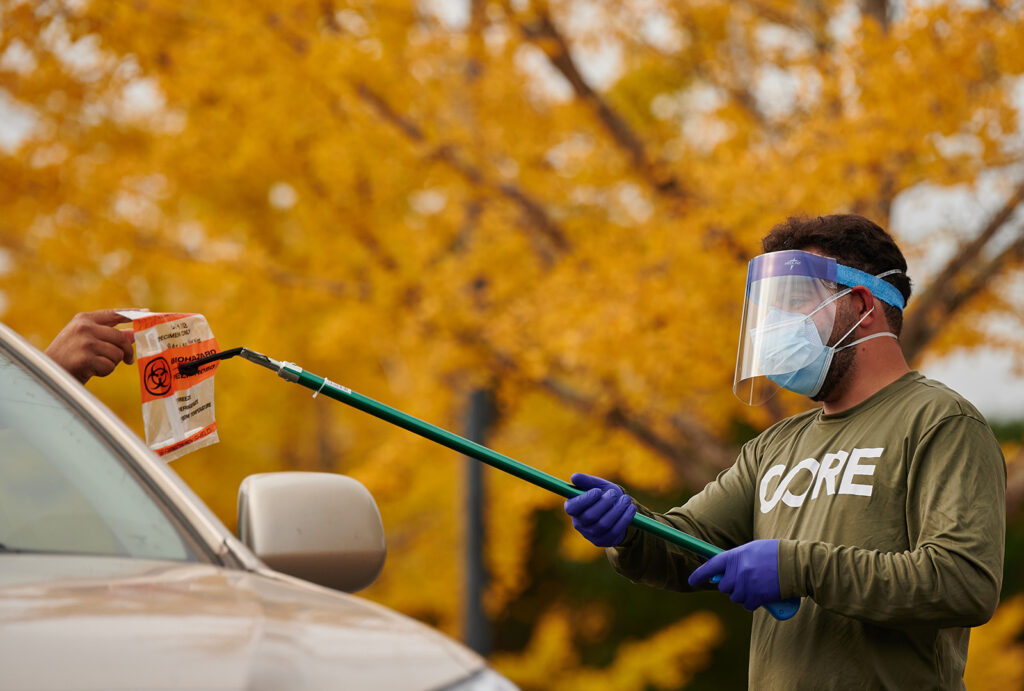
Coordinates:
[750,573]
[602,513]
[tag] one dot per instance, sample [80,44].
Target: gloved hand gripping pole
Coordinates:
[783,609]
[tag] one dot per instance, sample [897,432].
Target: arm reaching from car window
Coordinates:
[90,345]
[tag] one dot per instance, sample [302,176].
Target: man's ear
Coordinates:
[863,301]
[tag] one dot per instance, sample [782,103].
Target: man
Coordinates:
[883,509]
[90,345]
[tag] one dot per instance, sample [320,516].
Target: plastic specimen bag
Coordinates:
[177,411]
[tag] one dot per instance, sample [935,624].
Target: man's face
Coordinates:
[808,297]
[843,365]
[841,315]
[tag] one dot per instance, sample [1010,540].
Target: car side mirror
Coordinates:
[321,527]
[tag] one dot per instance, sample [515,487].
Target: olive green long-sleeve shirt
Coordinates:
[891,521]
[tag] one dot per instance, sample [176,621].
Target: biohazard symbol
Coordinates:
[157,377]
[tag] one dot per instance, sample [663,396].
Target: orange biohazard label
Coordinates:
[159,375]
[177,410]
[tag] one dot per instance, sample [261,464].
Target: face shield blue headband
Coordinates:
[788,317]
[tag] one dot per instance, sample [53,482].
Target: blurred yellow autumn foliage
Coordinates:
[996,656]
[665,660]
[553,201]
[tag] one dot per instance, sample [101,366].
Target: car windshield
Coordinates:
[63,489]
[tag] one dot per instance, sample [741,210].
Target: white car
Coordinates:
[115,575]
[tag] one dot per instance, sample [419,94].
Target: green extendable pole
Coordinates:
[321,385]
[479,452]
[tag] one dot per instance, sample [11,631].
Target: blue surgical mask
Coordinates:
[791,352]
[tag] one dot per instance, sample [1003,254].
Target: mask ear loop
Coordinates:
[828,302]
[846,292]
[854,327]
[886,334]
[823,305]
[866,338]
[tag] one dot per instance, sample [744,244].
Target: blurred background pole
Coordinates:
[475,626]
[482,412]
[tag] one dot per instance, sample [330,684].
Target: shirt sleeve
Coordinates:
[956,525]
[721,514]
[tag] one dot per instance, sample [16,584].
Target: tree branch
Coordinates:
[542,32]
[959,280]
[695,458]
[549,240]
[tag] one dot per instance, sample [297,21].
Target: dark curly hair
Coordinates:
[851,240]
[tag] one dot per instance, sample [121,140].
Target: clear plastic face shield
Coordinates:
[789,314]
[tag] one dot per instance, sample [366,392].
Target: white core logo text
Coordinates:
[837,473]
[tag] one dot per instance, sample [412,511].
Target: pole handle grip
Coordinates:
[781,610]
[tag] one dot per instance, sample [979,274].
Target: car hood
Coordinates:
[70,622]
